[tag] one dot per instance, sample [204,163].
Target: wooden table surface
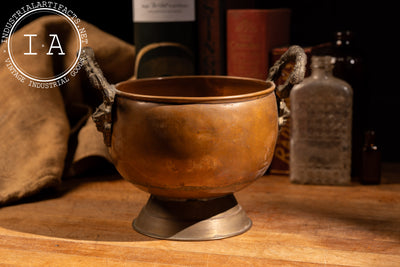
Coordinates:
[87,222]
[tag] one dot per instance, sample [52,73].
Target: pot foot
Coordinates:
[192,220]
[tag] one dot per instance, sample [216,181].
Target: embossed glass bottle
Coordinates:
[321,115]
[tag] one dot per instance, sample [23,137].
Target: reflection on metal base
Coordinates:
[192,219]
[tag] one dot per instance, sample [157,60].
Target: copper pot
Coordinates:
[192,137]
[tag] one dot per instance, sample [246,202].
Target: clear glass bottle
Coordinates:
[321,116]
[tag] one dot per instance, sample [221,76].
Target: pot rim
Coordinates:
[270,87]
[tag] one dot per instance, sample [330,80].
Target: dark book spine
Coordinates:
[211,21]
[164,37]
[211,33]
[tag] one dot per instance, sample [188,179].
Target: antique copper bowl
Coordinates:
[191,142]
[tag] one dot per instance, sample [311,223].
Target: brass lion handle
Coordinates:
[103,114]
[295,54]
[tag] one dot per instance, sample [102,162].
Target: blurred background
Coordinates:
[313,22]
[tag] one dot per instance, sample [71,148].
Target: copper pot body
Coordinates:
[191,142]
[193,137]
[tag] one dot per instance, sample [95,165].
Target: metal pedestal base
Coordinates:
[192,219]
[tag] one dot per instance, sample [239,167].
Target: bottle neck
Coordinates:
[369,140]
[322,66]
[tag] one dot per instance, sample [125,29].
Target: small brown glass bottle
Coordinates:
[371,160]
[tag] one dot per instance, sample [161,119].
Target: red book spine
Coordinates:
[251,36]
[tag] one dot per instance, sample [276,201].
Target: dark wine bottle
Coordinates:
[349,66]
[164,36]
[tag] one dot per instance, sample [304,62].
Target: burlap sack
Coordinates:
[43,132]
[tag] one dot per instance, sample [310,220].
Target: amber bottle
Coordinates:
[371,160]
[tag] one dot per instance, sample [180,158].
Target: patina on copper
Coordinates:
[192,141]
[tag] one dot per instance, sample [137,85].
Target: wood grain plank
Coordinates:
[293,225]
[125,253]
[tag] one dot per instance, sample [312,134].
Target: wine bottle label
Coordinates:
[163,10]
